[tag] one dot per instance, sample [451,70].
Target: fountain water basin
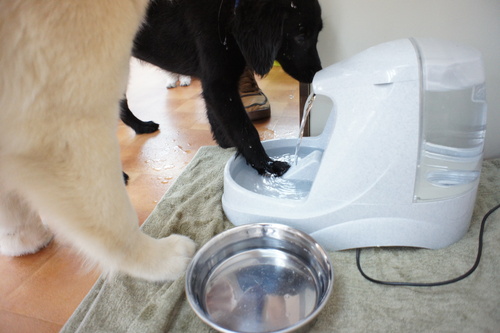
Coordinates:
[398,160]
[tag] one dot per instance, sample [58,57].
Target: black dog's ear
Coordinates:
[258,29]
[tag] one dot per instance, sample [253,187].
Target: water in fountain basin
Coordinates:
[271,185]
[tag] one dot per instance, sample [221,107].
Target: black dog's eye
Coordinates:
[300,39]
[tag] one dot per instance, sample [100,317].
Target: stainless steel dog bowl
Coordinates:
[259,278]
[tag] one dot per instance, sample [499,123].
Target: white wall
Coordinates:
[350,26]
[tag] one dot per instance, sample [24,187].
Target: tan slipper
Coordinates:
[256,103]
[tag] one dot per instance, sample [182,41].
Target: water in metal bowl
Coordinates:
[259,278]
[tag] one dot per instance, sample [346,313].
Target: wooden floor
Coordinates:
[39,292]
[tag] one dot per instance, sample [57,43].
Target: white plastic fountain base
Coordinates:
[398,161]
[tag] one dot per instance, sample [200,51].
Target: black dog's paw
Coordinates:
[125,178]
[279,168]
[146,127]
[276,168]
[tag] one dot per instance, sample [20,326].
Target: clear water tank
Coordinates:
[453,119]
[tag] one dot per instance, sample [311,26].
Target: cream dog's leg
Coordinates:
[64,69]
[91,210]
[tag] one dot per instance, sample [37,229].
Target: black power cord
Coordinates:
[440,283]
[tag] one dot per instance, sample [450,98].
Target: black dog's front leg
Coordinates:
[232,127]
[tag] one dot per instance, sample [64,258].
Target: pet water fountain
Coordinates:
[398,161]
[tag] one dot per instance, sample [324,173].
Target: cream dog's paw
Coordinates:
[26,239]
[159,259]
[179,250]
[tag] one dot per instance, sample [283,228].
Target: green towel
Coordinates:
[192,207]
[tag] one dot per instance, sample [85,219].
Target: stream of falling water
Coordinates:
[305,116]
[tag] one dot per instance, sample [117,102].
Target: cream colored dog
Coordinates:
[63,70]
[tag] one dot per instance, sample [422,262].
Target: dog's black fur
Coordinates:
[214,40]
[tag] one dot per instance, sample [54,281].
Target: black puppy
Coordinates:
[213,40]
